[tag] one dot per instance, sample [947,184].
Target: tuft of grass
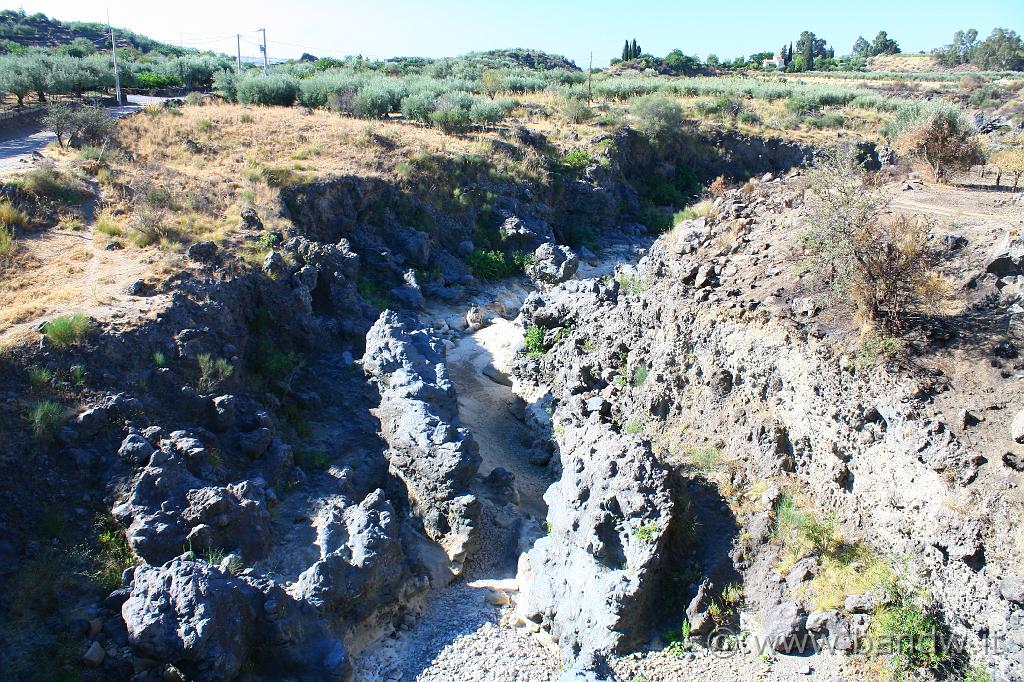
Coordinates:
[108,227]
[849,569]
[212,371]
[111,556]
[914,630]
[159,358]
[45,418]
[704,458]
[640,374]
[67,330]
[631,285]
[12,217]
[7,244]
[311,459]
[77,373]
[493,264]
[39,377]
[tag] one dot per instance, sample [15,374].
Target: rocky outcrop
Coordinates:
[593,580]
[428,450]
[211,625]
[553,264]
[169,509]
[362,567]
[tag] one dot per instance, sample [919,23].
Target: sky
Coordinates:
[574,28]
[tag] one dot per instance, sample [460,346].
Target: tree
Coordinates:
[938,133]
[712,60]
[960,51]
[627,51]
[1010,160]
[883,44]
[861,48]
[1002,50]
[14,79]
[636,49]
[808,47]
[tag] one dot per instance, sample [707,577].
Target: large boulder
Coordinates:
[210,624]
[1007,259]
[525,233]
[168,508]
[553,264]
[362,565]
[594,581]
[428,450]
[785,627]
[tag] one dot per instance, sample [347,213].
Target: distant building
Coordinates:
[777,61]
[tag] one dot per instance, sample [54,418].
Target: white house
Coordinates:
[778,61]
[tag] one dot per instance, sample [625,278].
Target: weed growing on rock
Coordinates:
[159,359]
[67,330]
[534,342]
[312,459]
[645,532]
[492,264]
[914,630]
[111,556]
[631,285]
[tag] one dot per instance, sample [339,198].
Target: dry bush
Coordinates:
[939,134]
[883,267]
[718,186]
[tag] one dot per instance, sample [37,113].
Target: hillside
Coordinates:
[39,30]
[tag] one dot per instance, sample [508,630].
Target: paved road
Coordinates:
[18,147]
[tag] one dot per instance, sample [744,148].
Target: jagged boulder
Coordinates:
[553,264]
[1007,258]
[525,233]
[168,509]
[428,450]
[362,565]
[594,580]
[209,624]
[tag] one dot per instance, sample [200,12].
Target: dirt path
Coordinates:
[493,412]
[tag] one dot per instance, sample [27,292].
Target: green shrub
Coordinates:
[659,118]
[645,532]
[640,373]
[914,631]
[534,341]
[487,112]
[212,371]
[656,219]
[45,181]
[938,133]
[46,417]
[277,89]
[312,459]
[159,359]
[77,374]
[112,555]
[67,330]
[576,111]
[418,106]
[749,117]
[376,100]
[492,264]
[577,159]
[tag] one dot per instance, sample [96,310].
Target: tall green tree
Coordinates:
[861,48]
[1002,50]
[883,44]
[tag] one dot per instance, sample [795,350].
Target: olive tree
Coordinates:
[938,133]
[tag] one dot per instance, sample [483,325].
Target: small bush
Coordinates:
[212,371]
[492,264]
[577,159]
[913,629]
[67,330]
[277,90]
[312,459]
[576,111]
[645,532]
[108,227]
[111,557]
[45,181]
[938,133]
[418,106]
[534,341]
[659,118]
[45,417]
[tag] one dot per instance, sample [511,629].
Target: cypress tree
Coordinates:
[626,51]
[636,50]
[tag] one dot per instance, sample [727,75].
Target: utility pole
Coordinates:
[113,54]
[238,41]
[266,61]
[590,79]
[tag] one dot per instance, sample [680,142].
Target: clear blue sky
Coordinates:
[436,28]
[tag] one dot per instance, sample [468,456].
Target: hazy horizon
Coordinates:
[572,28]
